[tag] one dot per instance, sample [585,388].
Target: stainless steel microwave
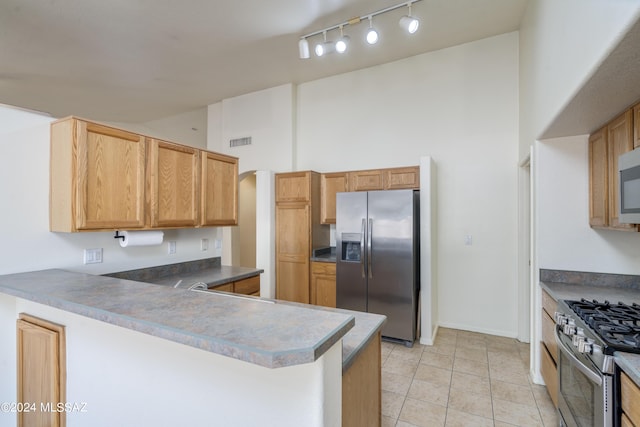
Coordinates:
[629,191]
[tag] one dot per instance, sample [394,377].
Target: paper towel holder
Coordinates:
[118,236]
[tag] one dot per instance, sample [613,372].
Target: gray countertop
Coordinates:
[629,362]
[324,254]
[212,276]
[263,332]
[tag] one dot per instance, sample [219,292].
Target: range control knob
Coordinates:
[586,346]
[569,329]
[578,337]
[560,318]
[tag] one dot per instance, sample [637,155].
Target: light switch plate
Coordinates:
[204,244]
[171,247]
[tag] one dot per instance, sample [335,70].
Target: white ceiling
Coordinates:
[141,60]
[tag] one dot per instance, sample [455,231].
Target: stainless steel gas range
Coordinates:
[588,333]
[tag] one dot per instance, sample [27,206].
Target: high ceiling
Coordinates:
[140,60]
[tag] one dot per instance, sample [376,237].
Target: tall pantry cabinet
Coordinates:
[298,230]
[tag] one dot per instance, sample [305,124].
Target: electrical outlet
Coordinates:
[171,247]
[468,240]
[93,256]
[218,243]
[204,244]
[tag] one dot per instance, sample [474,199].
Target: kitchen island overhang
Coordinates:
[132,368]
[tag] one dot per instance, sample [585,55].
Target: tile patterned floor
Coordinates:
[464,379]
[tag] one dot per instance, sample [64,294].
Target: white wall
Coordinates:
[24,217]
[267,117]
[457,105]
[188,128]
[565,240]
[561,44]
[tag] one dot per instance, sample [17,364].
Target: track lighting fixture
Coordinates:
[407,22]
[372,34]
[325,47]
[342,43]
[303,49]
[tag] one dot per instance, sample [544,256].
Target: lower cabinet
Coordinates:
[548,347]
[630,396]
[41,374]
[248,286]
[361,388]
[323,284]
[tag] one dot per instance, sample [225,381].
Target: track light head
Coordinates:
[372,34]
[408,22]
[303,49]
[325,48]
[342,43]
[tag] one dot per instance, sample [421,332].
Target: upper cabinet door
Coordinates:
[173,181]
[219,195]
[330,185]
[110,166]
[366,180]
[402,178]
[598,179]
[293,187]
[620,141]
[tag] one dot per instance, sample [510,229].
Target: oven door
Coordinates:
[584,393]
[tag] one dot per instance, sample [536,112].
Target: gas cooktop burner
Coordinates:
[617,324]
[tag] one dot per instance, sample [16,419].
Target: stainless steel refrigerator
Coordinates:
[377,257]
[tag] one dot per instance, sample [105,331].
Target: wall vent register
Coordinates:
[238,142]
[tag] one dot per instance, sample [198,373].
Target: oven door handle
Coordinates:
[592,376]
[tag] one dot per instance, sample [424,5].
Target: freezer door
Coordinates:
[392,270]
[351,285]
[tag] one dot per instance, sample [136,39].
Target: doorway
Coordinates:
[524,250]
[243,237]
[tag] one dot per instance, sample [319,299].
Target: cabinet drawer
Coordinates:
[326,268]
[549,374]
[227,287]
[548,335]
[248,286]
[630,396]
[549,304]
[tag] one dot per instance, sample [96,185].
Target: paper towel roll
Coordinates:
[141,238]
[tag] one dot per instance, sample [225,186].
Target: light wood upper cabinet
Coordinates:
[619,141]
[103,178]
[598,179]
[173,178]
[367,180]
[219,189]
[605,146]
[330,185]
[385,179]
[97,177]
[41,374]
[402,178]
[293,187]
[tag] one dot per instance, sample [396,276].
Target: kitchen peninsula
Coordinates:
[139,353]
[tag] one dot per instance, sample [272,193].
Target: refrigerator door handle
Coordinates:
[362,240]
[369,254]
